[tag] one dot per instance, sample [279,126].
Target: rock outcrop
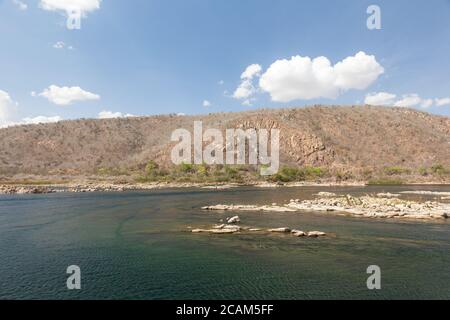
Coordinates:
[366,206]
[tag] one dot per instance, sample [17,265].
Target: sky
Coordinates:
[147,57]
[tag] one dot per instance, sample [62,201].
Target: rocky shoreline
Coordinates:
[25,190]
[366,206]
[84,187]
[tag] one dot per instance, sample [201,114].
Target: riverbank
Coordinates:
[115,187]
[37,187]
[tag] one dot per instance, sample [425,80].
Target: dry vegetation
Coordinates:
[375,144]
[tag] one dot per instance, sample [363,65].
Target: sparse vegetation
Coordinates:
[439,169]
[340,144]
[396,171]
[294,174]
[385,182]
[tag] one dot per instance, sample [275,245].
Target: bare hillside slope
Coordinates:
[348,138]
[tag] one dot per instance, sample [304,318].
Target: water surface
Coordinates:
[135,245]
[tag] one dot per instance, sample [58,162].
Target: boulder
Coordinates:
[234,219]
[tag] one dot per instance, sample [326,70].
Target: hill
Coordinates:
[349,142]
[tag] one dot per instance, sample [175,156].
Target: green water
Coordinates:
[134,245]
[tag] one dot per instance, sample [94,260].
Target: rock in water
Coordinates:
[234,219]
[280,230]
[298,233]
[315,234]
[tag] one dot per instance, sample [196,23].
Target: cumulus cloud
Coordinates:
[8,108]
[20,5]
[112,115]
[380,99]
[64,96]
[413,100]
[306,78]
[84,6]
[251,72]
[206,104]
[246,88]
[442,102]
[407,100]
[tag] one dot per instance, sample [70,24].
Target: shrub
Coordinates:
[423,171]
[186,168]
[151,167]
[440,169]
[393,171]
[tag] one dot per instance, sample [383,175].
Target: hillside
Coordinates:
[354,140]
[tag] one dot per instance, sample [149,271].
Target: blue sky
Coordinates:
[146,57]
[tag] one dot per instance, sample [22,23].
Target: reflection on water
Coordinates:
[136,245]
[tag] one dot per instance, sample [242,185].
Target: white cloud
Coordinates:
[59,45]
[206,104]
[41,119]
[248,102]
[407,100]
[246,88]
[442,102]
[63,96]
[426,103]
[7,108]
[221,83]
[8,113]
[85,6]
[357,72]
[112,115]
[27,121]
[410,100]
[20,5]
[306,78]
[62,45]
[380,99]
[252,71]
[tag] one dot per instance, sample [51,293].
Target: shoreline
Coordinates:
[85,187]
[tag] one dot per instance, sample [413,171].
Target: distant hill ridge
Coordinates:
[335,137]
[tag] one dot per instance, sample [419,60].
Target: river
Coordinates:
[137,245]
